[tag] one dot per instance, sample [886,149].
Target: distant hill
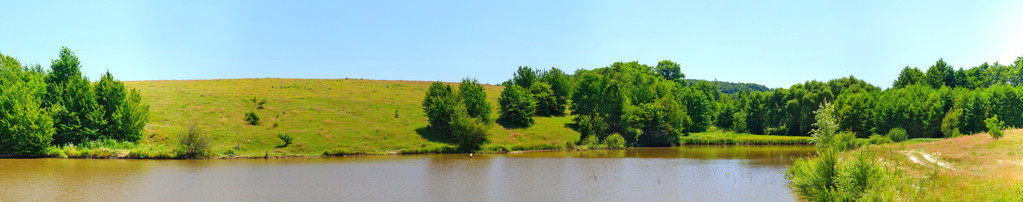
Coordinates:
[732,87]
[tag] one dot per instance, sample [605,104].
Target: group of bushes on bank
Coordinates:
[462,116]
[40,108]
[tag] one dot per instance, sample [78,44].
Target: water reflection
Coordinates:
[638,174]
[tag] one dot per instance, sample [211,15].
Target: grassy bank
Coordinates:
[715,136]
[969,168]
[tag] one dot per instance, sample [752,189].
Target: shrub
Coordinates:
[546,101]
[474,97]
[951,124]
[439,105]
[844,140]
[252,118]
[897,134]
[195,144]
[590,141]
[469,132]
[814,178]
[878,139]
[287,139]
[994,127]
[258,102]
[615,141]
[517,106]
[25,128]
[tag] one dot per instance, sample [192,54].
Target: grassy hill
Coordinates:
[349,114]
[969,168]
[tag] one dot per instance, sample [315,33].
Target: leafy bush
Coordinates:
[195,144]
[951,124]
[517,106]
[25,129]
[469,132]
[475,99]
[287,139]
[878,139]
[440,105]
[251,118]
[814,178]
[258,102]
[897,134]
[994,127]
[546,101]
[590,141]
[615,141]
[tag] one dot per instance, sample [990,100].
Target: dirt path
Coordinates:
[930,159]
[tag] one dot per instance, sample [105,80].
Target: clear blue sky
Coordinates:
[772,43]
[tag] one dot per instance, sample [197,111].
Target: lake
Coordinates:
[688,173]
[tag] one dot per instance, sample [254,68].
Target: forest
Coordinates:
[43,109]
[656,105]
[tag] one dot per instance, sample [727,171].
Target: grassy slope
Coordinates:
[368,115]
[981,168]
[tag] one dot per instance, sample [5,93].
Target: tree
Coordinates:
[995,127]
[25,128]
[440,105]
[562,86]
[474,97]
[524,77]
[469,132]
[517,106]
[908,76]
[940,74]
[546,101]
[125,115]
[670,70]
[661,122]
[76,114]
[699,109]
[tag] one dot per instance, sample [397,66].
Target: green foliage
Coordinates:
[828,177]
[827,126]
[995,127]
[517,106]
[562,86]
[615,141]
[125,114]
[287,139]
[546,102]
[470,133]
[475,99]
[25,128]
[878,139]
[909,76]
[258,102]
[814,178]
[897,134]
[732,87]
[252,118]
[940,74]
[661,122]
[590,141]
[524,77]
[195,144]
[76,116]
[699,108]
[669,70]
[440,105]
[589,126]
[951,124]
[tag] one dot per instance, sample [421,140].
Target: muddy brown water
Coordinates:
[690,173]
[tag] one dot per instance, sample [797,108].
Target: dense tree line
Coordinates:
[655,105]
[40,108]
[732,87]
[940,102]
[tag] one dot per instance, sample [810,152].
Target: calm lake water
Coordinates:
[691,173]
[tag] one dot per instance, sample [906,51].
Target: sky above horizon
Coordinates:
[776,44]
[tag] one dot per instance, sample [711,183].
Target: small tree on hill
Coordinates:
[517,106]
[994,127]
[474,97]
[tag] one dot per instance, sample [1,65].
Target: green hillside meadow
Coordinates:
[370,116]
